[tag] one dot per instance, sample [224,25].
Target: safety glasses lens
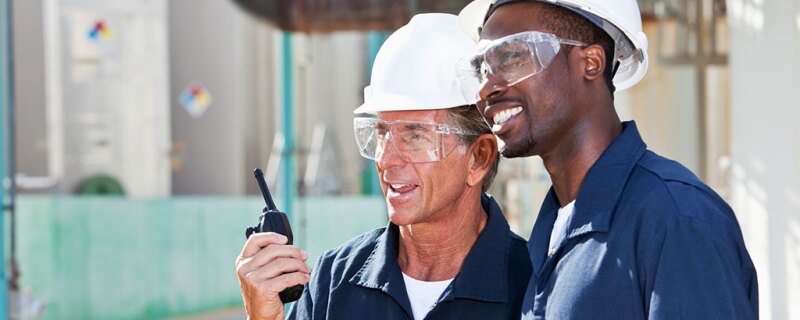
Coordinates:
[412,141]
[366,139]
[508,60]
[511,61]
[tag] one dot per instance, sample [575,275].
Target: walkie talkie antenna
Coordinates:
[264,189]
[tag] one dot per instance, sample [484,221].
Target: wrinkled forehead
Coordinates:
[514,18]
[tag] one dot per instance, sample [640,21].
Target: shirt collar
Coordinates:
[597,197]
[381,271]
[489,256]
[485,271]
[603,184]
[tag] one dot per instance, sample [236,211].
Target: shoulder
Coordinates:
[353,249]
[677,215]
[518,254]
[519,263]
[332,268]
[666,188]
[336,266]
[494,210]
[517,243]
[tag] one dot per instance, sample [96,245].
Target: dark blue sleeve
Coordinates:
[702,270]
[302,308]
[313,303]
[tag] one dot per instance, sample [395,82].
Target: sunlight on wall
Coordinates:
[764,178]
[748,13]
[793,253]
[750,204]
[797,19]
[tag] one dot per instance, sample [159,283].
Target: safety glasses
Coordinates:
[413,141]
[509,60]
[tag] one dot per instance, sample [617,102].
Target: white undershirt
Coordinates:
[558,228]
[423,294]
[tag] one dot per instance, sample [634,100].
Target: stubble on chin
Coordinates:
[519,149]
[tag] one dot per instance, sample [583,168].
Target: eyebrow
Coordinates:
[413,126]
[476,61]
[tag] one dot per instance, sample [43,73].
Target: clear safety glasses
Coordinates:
[509,59]
[413,141]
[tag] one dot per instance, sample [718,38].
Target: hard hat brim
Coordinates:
[397,102]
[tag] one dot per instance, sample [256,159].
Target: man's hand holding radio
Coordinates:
[265,267]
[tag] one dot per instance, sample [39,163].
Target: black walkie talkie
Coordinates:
[276,221]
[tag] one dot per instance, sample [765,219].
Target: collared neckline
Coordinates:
[603,184]
[488,256]
[488,259]
[597,197]
[381,271]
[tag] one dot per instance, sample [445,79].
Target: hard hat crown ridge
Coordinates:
[415,69]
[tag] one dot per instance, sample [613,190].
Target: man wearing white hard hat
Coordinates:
[447,252]
[623,233]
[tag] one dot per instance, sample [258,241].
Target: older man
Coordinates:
[447,252]
[623,233]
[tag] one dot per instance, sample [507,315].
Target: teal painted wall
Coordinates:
[118,258]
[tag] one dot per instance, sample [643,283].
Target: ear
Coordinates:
[483,154]
[594,58]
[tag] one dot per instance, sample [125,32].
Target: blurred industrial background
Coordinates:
[130,129]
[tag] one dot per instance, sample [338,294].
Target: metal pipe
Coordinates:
[287,105]
[289,165]
[12,158]
[701,95]
[369,175]
[713,28]
[5,103]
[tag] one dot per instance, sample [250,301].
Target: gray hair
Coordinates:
[470,119]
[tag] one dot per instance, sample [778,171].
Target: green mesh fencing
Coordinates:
[119,258]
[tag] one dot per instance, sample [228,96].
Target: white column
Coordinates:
[765,145]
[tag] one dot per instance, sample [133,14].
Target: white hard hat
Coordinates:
[621,19]
[415,69]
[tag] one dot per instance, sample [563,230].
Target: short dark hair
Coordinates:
[469,118]
[570,25]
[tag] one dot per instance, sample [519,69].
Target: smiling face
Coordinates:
[532,116]
[422,192]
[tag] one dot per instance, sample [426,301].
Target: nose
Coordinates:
[491,88]
[389,156]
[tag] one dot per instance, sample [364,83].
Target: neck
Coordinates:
[575,154]
[435,251]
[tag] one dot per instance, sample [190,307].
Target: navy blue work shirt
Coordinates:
[647,240]
[362,280]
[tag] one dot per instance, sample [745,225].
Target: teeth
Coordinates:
[504,115]
[399,185]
